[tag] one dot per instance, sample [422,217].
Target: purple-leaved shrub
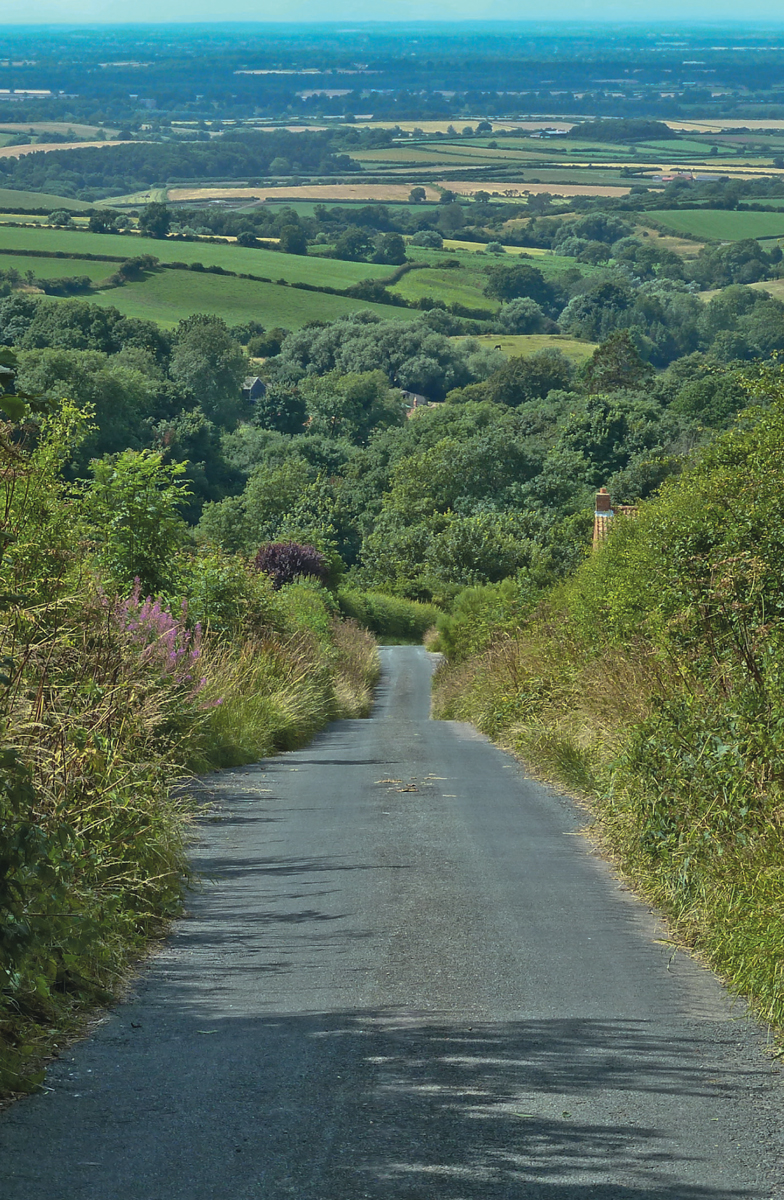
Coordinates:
[286,561]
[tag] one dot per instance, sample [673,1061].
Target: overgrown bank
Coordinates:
[111,692]
[651,681]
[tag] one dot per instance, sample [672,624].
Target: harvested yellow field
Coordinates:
[459,123]
[50,148]
[471,186]
[328,192]
[682,246]
[528,251]
[66,127]
[720,126]
[774,286]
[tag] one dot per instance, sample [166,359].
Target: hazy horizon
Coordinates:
[623,13]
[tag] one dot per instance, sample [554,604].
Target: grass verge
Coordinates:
[651,683]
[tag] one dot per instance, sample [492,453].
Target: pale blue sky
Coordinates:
[120,11]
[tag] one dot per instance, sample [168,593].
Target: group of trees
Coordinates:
[142,386]
[93,172]
[494,481]
[497,481]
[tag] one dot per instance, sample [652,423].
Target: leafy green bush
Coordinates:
[388,616]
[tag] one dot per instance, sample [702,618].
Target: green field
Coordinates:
[322,272]
[305,208]
[441,281]
[57,268]
[169,296]
[453,287]
[716,225]
[12,199]
[515,345]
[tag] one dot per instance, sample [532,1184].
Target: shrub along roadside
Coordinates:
[652,683]
[390,617]
[107,699]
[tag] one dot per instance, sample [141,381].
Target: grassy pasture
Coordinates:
[305,208]
[716,225]
[12,199]
[453,287]
[775,287]
[515,345]
[474,247]
[682,146]
[294,268]
[57,268]
[169,296]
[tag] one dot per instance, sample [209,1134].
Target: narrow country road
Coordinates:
[406,977]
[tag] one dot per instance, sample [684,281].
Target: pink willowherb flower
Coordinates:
[164,642]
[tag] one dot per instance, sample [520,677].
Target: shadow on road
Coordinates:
[383,1104]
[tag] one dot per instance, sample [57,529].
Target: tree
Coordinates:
[134,505]
[615,364]
[522,315]
[104,220]
[120,396]
[532,378]
[351,405]
[155,220]
[390,248]
[417,195]
[428,237]
[507,283]
[280,408]
[597,312]
[354,244]
[450,217]
[191,439]
[293,240]
[211,366]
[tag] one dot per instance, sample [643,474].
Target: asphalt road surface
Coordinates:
[406,977]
